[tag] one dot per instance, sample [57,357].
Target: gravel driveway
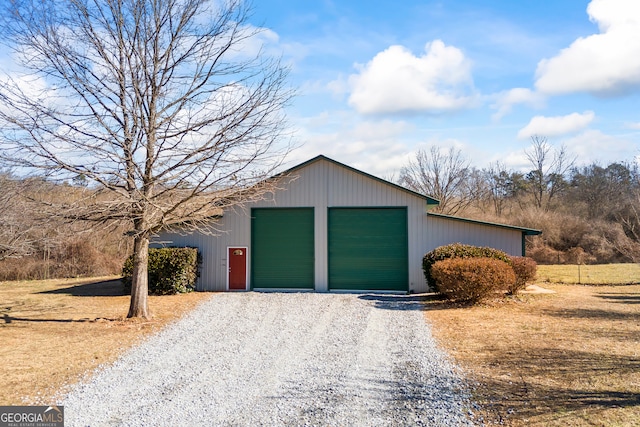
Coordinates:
[293,359]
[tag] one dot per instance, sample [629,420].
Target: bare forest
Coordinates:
[589,214]
[37,245]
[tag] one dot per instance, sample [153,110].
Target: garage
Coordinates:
[330,227]
[282,248]
[368,249]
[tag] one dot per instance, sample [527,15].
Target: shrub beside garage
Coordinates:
[471,273]
[171,271]
[525,269]
[472,279]
[457,250]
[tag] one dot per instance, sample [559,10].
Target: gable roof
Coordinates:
[526,231]
[431,202]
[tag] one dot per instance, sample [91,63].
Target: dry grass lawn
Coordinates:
[53,331]
[606,274]
[566,359]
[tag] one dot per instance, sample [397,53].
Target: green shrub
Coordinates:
[171,271]
[457,250]
[525,270]
[472,279]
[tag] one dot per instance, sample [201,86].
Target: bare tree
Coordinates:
[167,108]
[503,185]
[15,228]
[547,178]
[603,190]
[442,175]
[628,216]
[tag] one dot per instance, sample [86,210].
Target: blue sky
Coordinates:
[378,80]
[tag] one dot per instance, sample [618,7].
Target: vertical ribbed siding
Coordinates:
[443,231]
[320,185]
[323,184]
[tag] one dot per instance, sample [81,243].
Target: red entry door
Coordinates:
[237,260]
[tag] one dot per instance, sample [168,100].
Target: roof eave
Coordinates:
[526,231]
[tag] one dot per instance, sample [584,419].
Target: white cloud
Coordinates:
[516,160]
[254,40]
[635,126]
[590,146]
[396,81]
[376,147]
[444,145]
[338,87]
[507,99]
[32,86]
[558,125]
[380,148]
[607,63]
[594,146]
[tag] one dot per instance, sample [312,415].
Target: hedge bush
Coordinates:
[171,271]
[472,279]
[457,250]
[525,270]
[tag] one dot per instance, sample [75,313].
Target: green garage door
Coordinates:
[368,249]
[282,248]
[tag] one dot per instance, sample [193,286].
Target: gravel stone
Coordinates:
[280,359]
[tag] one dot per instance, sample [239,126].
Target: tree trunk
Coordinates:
[140,285]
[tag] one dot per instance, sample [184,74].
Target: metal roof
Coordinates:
[526,231]
[431,202]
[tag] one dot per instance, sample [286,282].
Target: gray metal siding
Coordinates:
[321,185]
[443,231]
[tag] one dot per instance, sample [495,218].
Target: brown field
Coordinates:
[566,359]
[603,274]
[53,331]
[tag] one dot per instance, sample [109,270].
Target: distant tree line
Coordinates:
[37,244]
[588,214]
